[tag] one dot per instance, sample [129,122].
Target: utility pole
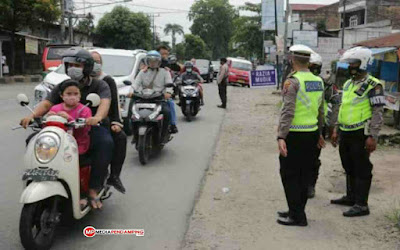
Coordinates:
[153,25]
[343,22]
[276,36]
[71,29]
[62,24]
[285,45]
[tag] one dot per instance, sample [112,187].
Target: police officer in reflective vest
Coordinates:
[332,98]
[298,134]
[360,120]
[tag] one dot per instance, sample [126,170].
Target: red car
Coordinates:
[239,71]
[52,55]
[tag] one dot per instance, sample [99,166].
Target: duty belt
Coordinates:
[353,126]
[303,126]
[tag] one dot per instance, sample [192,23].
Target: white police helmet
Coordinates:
[301,50]
[315,58]
[360,55]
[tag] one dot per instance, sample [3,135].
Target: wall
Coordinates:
[328,48]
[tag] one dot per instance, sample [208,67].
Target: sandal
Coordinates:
[95,203]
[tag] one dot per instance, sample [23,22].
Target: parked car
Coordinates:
[206,70]
[216,65]
[239,71]
[52,55]
[122,65]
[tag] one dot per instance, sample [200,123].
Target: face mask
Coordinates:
[97,68]
[316,70]
[71,100]
[189,70]
[353,71]
[75,73]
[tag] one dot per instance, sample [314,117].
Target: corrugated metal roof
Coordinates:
[392,40]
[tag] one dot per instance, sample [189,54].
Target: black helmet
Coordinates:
[172,59]
[79,55]
[188,64]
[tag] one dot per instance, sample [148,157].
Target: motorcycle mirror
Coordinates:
[127,83]
[23,100]
[93,99]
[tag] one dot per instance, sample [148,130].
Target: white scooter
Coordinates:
[53,179]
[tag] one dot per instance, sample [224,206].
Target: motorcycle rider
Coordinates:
[78,64]
[331,96]
[156,78]
[119,136]
[190,75]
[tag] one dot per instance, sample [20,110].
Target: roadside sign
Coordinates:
[263,78]
[268,43]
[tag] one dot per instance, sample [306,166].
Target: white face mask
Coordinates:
[97,67]
[75,73]
[189,70]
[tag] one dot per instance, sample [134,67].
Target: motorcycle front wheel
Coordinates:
[144,148]
[35,228]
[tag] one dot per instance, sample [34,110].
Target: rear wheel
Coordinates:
[128,129]
[144,148]
[37,225]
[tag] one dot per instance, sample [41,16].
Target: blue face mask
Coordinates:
[97,68]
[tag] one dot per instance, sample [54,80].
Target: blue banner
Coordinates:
[263,78]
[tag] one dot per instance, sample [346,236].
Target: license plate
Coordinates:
[146,105]
[37,174]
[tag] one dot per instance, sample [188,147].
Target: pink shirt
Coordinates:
[81,135]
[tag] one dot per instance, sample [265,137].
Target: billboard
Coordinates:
[268,14]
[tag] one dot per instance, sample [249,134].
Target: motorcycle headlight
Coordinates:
[155,113]
[46,147]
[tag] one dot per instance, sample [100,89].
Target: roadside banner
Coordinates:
[263,78]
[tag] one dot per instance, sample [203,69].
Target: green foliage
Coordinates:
[124,29]
[86,24]
[174,29]
[195,47]
[321,25]
[17,14]
[180,51]
[213,22]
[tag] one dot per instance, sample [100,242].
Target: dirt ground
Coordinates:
[242,190]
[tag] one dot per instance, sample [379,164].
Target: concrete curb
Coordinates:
[21,79]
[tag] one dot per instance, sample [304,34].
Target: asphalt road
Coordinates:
[160,196]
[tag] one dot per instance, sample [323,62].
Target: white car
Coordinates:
[122,65]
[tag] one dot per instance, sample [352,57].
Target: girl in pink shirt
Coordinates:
[71,109]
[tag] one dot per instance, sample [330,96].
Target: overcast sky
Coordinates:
[180,7]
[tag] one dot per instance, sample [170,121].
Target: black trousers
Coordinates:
[222,92]
[317,163]
[119,154]
[295,170]
[356,163]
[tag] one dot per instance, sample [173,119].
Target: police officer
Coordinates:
[298,134]
[331,96]
[360,120]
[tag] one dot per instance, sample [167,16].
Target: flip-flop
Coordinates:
[97,201]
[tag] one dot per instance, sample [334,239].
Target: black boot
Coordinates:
[173,129]
[115,181]
[357,210]
[348,199]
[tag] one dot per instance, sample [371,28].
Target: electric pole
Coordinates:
[62,24]
[276,38]
[71,29]
[153,25]
[343,22]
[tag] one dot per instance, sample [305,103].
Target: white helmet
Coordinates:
[358,54]
[301,50]
[316,59]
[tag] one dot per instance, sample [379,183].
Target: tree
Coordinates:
[195,47]
[86,25]
[248,37]
[180,51]
[213,22]
[124,29]
[18,14]
[175,29]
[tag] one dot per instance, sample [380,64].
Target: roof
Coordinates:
[377,51]
[302,7]
[32,37]
[392,40]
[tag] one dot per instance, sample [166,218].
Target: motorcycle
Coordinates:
[54,179]
[148,121]
[189,96]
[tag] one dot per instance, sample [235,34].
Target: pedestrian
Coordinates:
[331,96]
[222,81]
[360,120]
[299,134]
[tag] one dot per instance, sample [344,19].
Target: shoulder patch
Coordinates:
[286,86]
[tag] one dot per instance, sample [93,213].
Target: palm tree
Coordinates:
[175,29]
